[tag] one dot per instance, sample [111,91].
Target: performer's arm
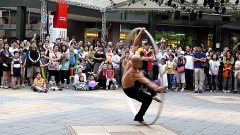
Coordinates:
[140,77]
[137,40]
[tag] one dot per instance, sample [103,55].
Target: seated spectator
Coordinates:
[81,85]
[102,76]
[77,78]
[92,84]
[52,84]
[39,84]
[110,77]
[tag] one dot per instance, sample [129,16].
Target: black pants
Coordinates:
[55,73]
[142,97]
[65,75]
[189,79]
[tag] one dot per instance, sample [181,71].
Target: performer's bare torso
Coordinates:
[128,78]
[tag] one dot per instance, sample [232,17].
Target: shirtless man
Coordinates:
[131,75]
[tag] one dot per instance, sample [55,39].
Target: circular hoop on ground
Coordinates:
[160,95]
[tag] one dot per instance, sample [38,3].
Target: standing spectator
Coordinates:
[6,66]
[14,47]
[199,59]
[116,61]
[213,72]
[162,76]
[140,49]
[237,75]
[1,60]
[44,60]
[54,64]
[229,55]
[170,71]
[227,76]
[125,59]
[47,49]
[91,55]
[99,57]
[148,58]
[189,68]
[181,61]
[33,64]
[16,70]
[109,55]
[65,66]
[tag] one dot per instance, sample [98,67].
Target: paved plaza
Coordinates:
[101,112]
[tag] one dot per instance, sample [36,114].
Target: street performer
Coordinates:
[132,75]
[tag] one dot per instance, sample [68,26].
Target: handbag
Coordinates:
[181,69]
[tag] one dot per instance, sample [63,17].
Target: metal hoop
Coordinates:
[161,95]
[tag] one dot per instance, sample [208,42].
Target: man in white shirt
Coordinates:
[14,47]
[116,61]
[189,68]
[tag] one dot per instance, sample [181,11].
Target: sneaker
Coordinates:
[228,91]
[224,91]
[176,89]
[23,85]
[182,90]
[200,91]
[211,91]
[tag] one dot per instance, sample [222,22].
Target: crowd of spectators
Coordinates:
[69,63]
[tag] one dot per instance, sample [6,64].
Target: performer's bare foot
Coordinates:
[143,123]
[156,98]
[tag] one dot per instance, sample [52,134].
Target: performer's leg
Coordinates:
[141,97]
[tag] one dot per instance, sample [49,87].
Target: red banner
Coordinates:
[60,16]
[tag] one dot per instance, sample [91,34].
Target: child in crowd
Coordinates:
[213,72]
[162,76]
[44,61]
[23,57]
[110,77]
[227,76]
[81,85]
[92,84]
[72,60]
[170,70]
[237,75]
[125,59]
[52,84]
[39,85]
[102,76]
[16,67]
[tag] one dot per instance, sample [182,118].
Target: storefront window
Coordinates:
[210,40]
[173,39]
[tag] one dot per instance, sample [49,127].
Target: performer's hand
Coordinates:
[142,30]
[161,89]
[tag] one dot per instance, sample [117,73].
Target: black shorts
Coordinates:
[17,74]
[8,68]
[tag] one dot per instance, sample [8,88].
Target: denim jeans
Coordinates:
[170,81]
[212,82]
